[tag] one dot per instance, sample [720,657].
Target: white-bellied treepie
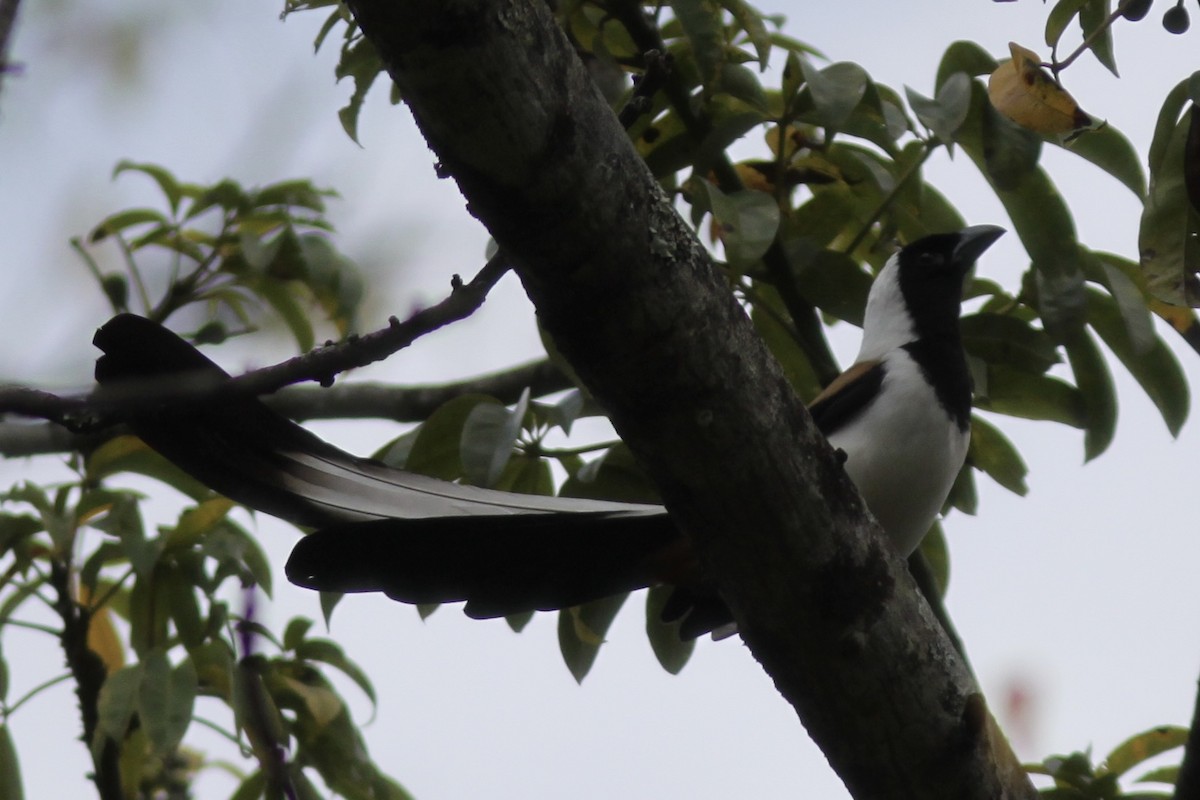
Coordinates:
[901,415]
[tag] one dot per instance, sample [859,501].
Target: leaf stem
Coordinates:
[35,691]
[33,626]
[1057,66]
[889,198]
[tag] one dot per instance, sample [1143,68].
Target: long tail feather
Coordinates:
[415,538]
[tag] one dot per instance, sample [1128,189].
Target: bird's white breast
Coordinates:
[903,452]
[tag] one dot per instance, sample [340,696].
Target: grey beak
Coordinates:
[973,241]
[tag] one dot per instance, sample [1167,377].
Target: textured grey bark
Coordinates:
[650,326]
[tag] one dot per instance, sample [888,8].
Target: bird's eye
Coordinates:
[929,259]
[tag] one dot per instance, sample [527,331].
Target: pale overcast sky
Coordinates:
[1083,594]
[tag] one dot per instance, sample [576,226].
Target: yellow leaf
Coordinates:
[583,631]
[794,139]
[195,522]
[1025,93]
[102,638]
[754,179]
[112,451]
[323,704]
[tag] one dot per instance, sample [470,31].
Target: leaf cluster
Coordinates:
[230,250]
[1075,777]
[477,440]
[167,621]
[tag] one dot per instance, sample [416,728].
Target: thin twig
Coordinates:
[98,410]
[34,692]
[888,200]
[657,67]
[1057,66]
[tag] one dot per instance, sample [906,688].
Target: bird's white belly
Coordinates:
[903,452]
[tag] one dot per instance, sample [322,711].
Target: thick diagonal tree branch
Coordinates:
[634,303]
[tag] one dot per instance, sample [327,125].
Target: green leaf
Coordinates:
[255,710]
[1170,257]
[751,21]
[489,436]
[581,631]
[14,600]
[1168,118]
[226,194]
[1010,151]
[437,450]
[295,632]
[1097,391]
[149,613]
[197,521]
[614,476]
[1093,19]
[185,610]
[120,221]
[967,57]
[963,493]
[10,767]
[237,553]
[252,788]
[1143,746]
[1031,396]
[563,412]
[338,15]
[1043,222]
[705,31]
[300,193]
[829,279]
[359,61]
[165,700]
[768,315]
[1125,284]
[329,601]
[283,299]
[671,651]
[526,475]
[793,78]
[747,222]
[945,114]
[329,653]
[517,622]
[991,452]
[836,90]
[167,182]
[1168,775]
[116,702]
[124,521]
[1155,368]
[130,454]
[15,528]
[738,81]
[1060,17]
[1006,339]
[1112,152]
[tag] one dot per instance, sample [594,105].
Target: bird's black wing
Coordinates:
[847,396]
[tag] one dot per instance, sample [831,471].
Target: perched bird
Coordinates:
[901,415]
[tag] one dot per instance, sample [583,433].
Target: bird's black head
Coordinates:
[930,273]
